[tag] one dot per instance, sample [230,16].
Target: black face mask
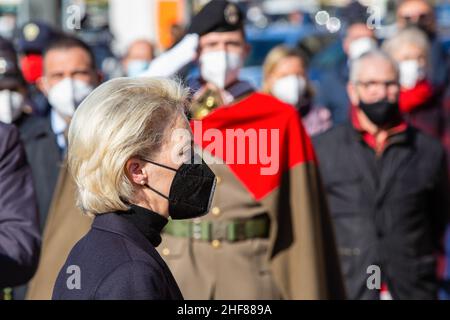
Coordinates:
[191,192]
[382,112]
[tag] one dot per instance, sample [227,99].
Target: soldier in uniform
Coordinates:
[267,236]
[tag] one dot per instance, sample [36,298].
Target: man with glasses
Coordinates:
[387,189]
[420,13]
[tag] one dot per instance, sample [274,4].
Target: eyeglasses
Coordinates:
[372,85]
[421,17]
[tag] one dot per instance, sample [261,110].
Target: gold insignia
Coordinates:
[31,32]
[231,14]
[204,104]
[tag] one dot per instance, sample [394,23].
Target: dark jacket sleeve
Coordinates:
[440,202]
[134,280]
[19,225]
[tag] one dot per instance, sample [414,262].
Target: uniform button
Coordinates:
[218,180]
[165,251]
[202,113]
[215,211]
[215,244]
[210,102]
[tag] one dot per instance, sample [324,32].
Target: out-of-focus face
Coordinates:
[356,32]
[286,67]
[376,80]
[232,41]
[412,63]
[221,56]
[410,52]
[74,63]
[416,12]
[12,101]
[139,51]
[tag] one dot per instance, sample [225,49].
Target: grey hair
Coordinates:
[409,35]
[356,64]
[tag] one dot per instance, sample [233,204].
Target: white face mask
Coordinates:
[136,67]
[410,73]
[220,68]
[11,105]
[289,89]
[360,46]
[67,95]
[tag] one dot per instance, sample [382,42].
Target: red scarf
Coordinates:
[411,99]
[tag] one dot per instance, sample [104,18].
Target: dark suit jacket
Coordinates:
[44,157]
[19,224]
[115,261]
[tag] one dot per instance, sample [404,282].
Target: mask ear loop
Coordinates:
[162,166]
[158,193]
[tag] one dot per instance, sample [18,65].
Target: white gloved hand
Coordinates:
[170,62]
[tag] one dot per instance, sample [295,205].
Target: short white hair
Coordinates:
[121,119]
[356,64]
[408,36]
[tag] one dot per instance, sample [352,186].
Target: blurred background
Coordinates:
[109,26]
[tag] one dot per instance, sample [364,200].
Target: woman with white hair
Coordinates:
[133,170]
[419,101]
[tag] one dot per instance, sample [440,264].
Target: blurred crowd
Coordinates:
[395,93]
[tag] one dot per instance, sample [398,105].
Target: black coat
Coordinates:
[389,211]
[19,223]
[44,157]
[117,261]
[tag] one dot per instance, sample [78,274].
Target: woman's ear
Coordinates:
[134,169]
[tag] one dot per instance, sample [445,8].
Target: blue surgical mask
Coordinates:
[136,67]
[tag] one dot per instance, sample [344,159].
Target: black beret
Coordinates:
[217,16]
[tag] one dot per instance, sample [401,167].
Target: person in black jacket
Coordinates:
[19,221]
[131,157]
[387,189]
